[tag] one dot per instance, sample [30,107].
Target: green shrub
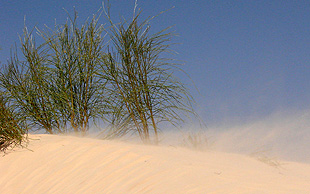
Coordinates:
[73,79]
[12,127]
[140,80]
[55,87]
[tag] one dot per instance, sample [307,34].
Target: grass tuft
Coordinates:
[262,156]
[13,131]
[197,141]
[74,78]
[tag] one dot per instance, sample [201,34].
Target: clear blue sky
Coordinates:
[248,59]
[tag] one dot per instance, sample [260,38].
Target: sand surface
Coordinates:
[66,164]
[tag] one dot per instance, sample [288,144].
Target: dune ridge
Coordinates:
[67,164]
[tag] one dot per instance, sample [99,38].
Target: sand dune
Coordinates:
[66,164]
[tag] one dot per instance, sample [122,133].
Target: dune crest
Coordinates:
[66,164]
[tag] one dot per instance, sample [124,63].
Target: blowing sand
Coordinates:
[66,164]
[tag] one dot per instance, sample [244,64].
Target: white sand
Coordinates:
[64,164]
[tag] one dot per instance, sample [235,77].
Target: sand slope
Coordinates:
[65,164]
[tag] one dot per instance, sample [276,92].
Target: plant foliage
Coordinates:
[75,78]
[12,126]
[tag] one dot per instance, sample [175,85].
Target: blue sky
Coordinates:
[248,59]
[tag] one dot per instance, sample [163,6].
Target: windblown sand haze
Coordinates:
[67,164]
